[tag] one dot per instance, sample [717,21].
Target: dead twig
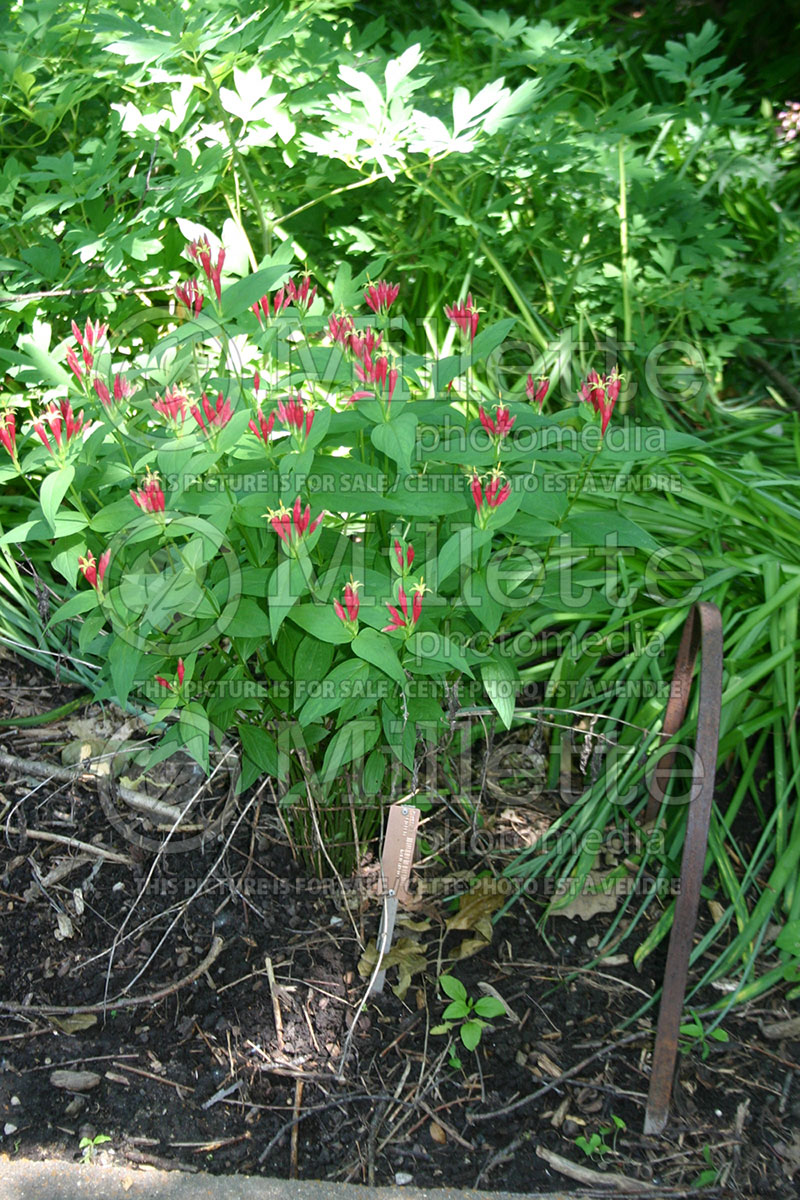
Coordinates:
[41,835]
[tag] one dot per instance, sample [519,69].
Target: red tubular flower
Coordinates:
[293,524]
[537,391]
[217,417]
[92,334]
[180,676]
[365,343]
[358,396]
[88,341]
[8,432]
[102,391]
[401,619]
[378,372]
[348,613]
[64,425]
[264,427]
[150,497]
[200,251]
[498,426]
[296,417]
[190,296]
[74,365]
[93,572]
[381,296]
[340,328]
[489,498]
[122,390]
[405,558]
[602,391]
[302,296]
[465,316]
[174,405]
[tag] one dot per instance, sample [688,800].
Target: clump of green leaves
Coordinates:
[465,1013]
[88,1146]
[596,1145]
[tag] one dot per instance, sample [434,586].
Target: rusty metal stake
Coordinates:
[703,626]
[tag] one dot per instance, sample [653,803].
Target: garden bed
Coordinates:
[215,1068]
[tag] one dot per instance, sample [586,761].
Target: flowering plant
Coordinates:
[252,554]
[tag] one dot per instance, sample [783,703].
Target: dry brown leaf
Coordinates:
[406,954]
[587,903]
[477,906]
[437,1133]
[75,1023]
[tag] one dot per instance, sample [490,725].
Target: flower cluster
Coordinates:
[381,296]
[536,391]
[601,391]
[150,496]
[200,251]
[88,341]
[490,497]
[401,618]
[212,417]
[377,372]
[174,406]
[498,426]
[295,417]
[180,676]
[122,390]
[404,557]
[348,613]
[190,296]
[94,572]
[301,296]
[465,316]
[262,426]
[64,426]
[293,524]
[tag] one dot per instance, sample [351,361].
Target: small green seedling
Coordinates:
[694,1029]
[88,1146]
[466,1011]
[596,1144]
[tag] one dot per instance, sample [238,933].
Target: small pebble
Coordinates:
[15,1100]
[8,1129]
[402,1179]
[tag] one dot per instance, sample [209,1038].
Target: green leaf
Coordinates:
[452,987]
[460,550]
[286,585]
[352,742]
[53,490]
[397,439]
[501,680]
[429,652]
[240,296]
[376,648]
[337,687]
[607,528]
[491,337]
[124,660]
[321,621]
[194,731]
[457,1010]
[471,1033]
[259,746]
[489,1006]
[373,774]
